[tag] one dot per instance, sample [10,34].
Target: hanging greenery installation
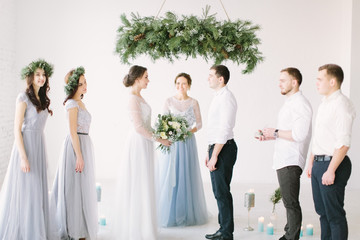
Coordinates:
[171,36]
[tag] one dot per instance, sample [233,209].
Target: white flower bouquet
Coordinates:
[171,127]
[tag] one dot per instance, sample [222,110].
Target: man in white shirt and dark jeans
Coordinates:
[222,150]
[329,166]
[292,135]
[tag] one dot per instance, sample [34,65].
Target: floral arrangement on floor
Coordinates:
[172,36]
[275,198]
[171,127]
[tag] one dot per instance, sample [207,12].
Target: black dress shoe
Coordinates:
[214,235]
[223,238]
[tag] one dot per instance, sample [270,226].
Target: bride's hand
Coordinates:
[79,165]
[164,142]
[24,165]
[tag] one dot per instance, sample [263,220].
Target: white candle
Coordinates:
[102,221]
[270,229]
[261,224]
[309,229]
[98,192]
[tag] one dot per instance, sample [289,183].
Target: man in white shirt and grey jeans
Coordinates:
[292,135]
[222,150]
[329,166]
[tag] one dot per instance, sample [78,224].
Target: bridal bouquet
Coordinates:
[173,128]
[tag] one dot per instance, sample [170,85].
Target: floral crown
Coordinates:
[31,68]
[73,81]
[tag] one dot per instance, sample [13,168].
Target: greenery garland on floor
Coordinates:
[171,36]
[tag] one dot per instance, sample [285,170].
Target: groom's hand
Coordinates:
[211,164]
[206,159]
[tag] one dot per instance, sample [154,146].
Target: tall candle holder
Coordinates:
[249,202]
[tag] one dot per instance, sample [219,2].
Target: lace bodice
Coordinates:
[33,121]
[84,117]
[189,109]
[140,116]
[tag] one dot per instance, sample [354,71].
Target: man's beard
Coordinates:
[286,92]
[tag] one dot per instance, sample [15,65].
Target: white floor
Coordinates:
[262,207]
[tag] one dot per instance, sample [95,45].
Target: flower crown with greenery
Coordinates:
[40,63]
[73,81]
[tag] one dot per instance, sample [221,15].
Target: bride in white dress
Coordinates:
[136,187]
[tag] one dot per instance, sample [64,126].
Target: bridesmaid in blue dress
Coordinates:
[73,199]
[182,201]
[24,204]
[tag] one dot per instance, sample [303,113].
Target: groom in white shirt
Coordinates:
[222,150]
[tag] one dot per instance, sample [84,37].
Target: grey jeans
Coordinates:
[289,181]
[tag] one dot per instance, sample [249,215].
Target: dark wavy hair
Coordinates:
[72,94]
[44,102]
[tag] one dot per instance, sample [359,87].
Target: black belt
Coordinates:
[231,141]
[82,133]
[322,158]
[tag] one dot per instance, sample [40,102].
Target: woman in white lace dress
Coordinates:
[182,198]
[136,190]
[73,199]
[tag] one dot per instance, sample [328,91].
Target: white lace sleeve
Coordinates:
[197,115]
[135,113]
[166,108]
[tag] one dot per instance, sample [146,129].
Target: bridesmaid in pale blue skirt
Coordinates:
[24,204]
[182,201]
[73,199]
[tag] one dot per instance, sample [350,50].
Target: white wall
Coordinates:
[8,81]
[354,152]
[72,33]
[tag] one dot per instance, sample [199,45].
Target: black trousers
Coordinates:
[329,200]
[289,181]
[220,180]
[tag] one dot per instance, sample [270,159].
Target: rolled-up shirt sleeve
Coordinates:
[344,121]
[302,123]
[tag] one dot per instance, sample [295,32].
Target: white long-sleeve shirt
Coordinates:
[333,124]
[295,115]
[221,117]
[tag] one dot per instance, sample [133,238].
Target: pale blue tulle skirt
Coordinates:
[24,206]
[73,202]
[181,200]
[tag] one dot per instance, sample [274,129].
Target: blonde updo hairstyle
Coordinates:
[135,72]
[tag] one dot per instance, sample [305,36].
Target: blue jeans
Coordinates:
[329,200]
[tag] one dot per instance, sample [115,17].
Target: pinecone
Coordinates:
[139,37]
[225,54]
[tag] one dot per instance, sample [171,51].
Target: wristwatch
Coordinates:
[276,133]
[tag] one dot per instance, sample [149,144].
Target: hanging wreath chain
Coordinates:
[170,37]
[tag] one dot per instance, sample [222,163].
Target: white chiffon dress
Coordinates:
[136,188]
